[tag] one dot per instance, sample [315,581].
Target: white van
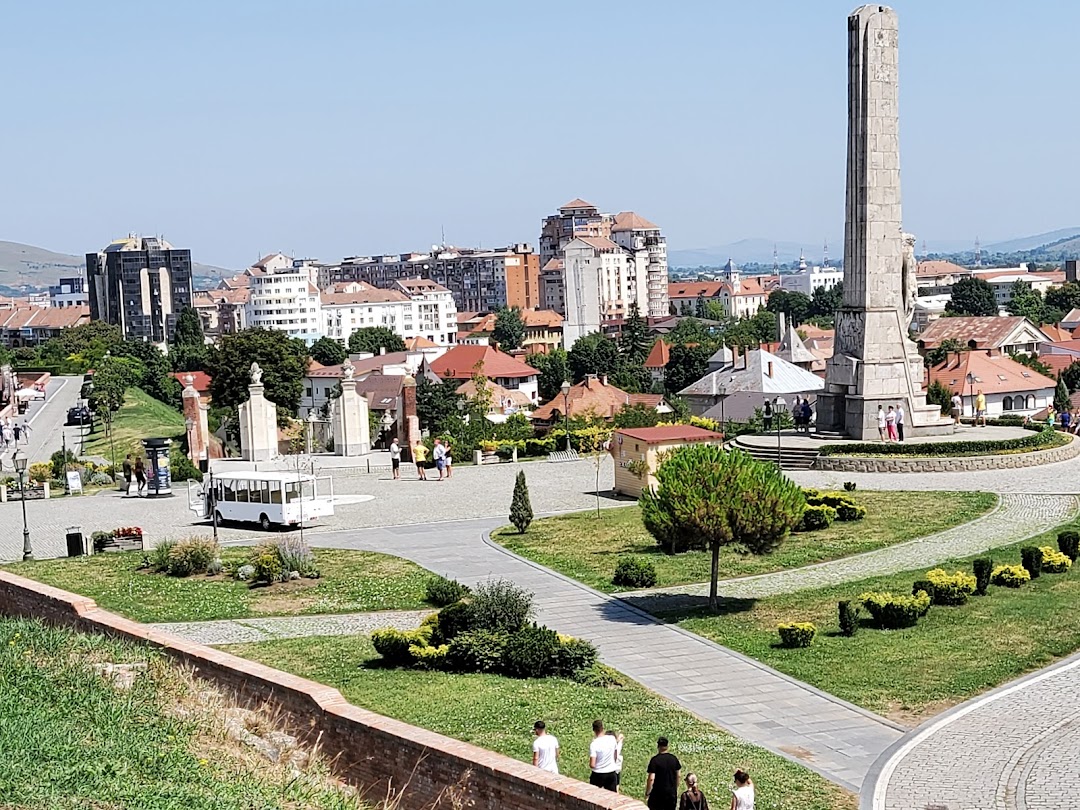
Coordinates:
[266,498]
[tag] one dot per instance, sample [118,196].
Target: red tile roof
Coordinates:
[577,202]
[670,433]
[988,332]
[1057,362]
[200,379]
[542,317]
[937,267]
[659,355]
[629,221]
[589,395]
[28,317]
[994,374]
[462,361]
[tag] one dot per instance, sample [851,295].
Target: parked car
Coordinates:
[79,415]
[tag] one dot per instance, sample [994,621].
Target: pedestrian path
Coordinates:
[752,701]
[1017,516]
[245,631]
[1011,749]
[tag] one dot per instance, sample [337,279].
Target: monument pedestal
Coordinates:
[352,433]
[258,422]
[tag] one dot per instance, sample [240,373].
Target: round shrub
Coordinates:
[442,592]
[531,652]
[891,612]
[267,564]
[100,479]
[1031,559]
[393,645]
[575,655]
[192,555]
[500,605]
[1054,562]
[850,511]
[634,572]
[849,617]
[950,589]
[456,619]
[816,517]
[796,634]
[1069,544]
[1010,576]
[245,572]
[215,567]
[477,651]
[430,658]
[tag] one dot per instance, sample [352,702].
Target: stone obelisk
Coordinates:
[874,363]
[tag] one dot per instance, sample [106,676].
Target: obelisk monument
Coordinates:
[874,363]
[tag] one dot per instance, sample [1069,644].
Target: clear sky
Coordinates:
[331,128]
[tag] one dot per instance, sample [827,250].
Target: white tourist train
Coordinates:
[267,498]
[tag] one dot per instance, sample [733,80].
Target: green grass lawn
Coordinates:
[352,582]
[952,654]
[140,417]
[497,713]
[70,740]
[587,548]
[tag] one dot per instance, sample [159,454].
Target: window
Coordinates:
[1007,403]
[1031,402]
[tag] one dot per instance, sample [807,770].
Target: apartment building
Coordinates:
[808,278]
[69,292]
[413,308]
[282,296]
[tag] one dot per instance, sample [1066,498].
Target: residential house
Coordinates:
[1009,387]
[320,381]
[636,452]
[593,396]
[1000,334]
[1003,278]
[936,277]
[658,359]
[543,331]
[503,402]
[463,362]
[24,325]
[739,296]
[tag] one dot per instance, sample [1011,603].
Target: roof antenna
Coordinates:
[442,230]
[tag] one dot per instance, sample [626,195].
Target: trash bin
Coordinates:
[75,547]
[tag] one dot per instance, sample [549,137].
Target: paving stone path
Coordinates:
[1016,517]
[243,631]
[1011,749]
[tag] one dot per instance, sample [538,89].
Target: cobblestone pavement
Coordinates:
[1012,749]
[473,492]
[241,631]
[1016,518]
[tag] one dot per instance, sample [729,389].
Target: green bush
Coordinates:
[295,555]
[500,605]
[797,634]
[634,572]
[1010,576]
[924,585]
[575,655]
[1054,562]
[891,612]
[456,618]
[983,568]
[600,676]
[1069,544]
[816,517]
[1031,559]
[477,651]
[190,556]
[833,499]
[950,589]
[521,513]
[849,486]
[531,652]
[181,468]
[850,511]
[430,658]
[100,479]
[442,592]
[540,447]
[849,617]
[159,557]
[393,645]
[267,564]
[59,463]
[1036,441]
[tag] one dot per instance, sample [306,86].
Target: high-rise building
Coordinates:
[140,284]
[283,296]
[70,292]
[575,219]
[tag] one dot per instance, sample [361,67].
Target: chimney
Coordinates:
[382,351]
[603,379]
[768,371]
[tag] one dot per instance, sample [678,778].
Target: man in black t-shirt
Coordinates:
[662,783]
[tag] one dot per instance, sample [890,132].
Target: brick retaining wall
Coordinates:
[899,464]
[368,750]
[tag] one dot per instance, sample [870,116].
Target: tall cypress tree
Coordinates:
[521,513]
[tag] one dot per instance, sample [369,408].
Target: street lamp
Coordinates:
[565,388]
[971,394]
[722,394]
[779,407]
[190,424]
[18,460]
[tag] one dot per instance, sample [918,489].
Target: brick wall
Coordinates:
[369,750]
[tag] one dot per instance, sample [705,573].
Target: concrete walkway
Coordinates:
[244,631]
[752,701]
[1013,748]
[1016,517]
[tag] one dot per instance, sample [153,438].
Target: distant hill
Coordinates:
[38,267]
[755,251]
[1033,242]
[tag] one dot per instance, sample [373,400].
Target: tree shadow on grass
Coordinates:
[674,607]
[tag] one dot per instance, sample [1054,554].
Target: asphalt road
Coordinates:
[46,419]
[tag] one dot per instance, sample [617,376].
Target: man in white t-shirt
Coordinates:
[603,751]
[957,405]
[545,748]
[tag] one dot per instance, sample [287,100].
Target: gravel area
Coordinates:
[243,631]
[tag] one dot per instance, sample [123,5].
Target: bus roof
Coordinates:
[270,475]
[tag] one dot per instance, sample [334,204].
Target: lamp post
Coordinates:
[971,394]
[722,394]
[189,423]
[18,460]
[565,388]
[212,498]
[779,407]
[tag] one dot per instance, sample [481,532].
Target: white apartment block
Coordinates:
[807,279]
[283,297]
[412,308]
[601,282]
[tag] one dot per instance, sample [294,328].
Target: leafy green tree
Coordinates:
[90,341]
[939,354]
[1061,397]
[593,354]
[707,498]
[437,403]
[1033,362]
[794,305]
[634,343]
[283,361]
[636,416]
[825,302]
[764,324]
[1064,298]
[189,331]
[1025,302]
[154,369]
[521,513]
[939,394]
[972,296]
[328,352]
[686,365]
[516,428]
[112,378]
[552,370]
[691,330]
[1071,376]
[509,332]
[373,339]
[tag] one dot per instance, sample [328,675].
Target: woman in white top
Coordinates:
[881,422]
[742,796]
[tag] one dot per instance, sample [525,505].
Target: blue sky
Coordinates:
[327,129]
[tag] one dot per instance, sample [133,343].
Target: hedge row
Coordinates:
[1044,438]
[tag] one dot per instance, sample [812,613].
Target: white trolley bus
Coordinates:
[267,498]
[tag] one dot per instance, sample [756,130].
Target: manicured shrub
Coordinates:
[575,655]
[984,568]
[521,513]
[816,517]
[393,645]
[454,619]
[850,511]
[1069,544]
[100,479]
[296,555]
[924,585]
[600,676]
[1035,441]
[950,589]
[501,605]
[797,634]
[267,564]
[477,651]
[531,652]
[192,555]
[849,617]
[441,592]
[1054,562]
[430,658]
[634,572]
[891,612]
[849,486]
[1031,559]
[833,499]
[1010,576]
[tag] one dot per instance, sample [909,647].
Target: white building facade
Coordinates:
[807,279]
[413,308]
[285,299]
[601,282]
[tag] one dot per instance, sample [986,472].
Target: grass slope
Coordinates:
[497,713]
[352,582]
[953,653]
[140,417]
[587,548]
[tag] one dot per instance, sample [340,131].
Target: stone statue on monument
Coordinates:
[910,284]
[348,370]
[256,374]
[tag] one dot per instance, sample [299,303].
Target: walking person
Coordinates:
[17,430]
[448,460]
[140,477]
[439,454]
[693,798]
[980,408]
[807,414]
[602,751]
[890,424]
[1066,419]
[900,422]
[6,432]
[618,759]
[881,423]
[662,782]
[742,795]
[419,453]
[957,406]
[127,468]
[545,748]
[26,431]
[766,416]
[395,459]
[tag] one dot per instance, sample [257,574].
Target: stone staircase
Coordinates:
[791,458]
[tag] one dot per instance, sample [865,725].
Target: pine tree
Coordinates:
[521,513]
[1061,397]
